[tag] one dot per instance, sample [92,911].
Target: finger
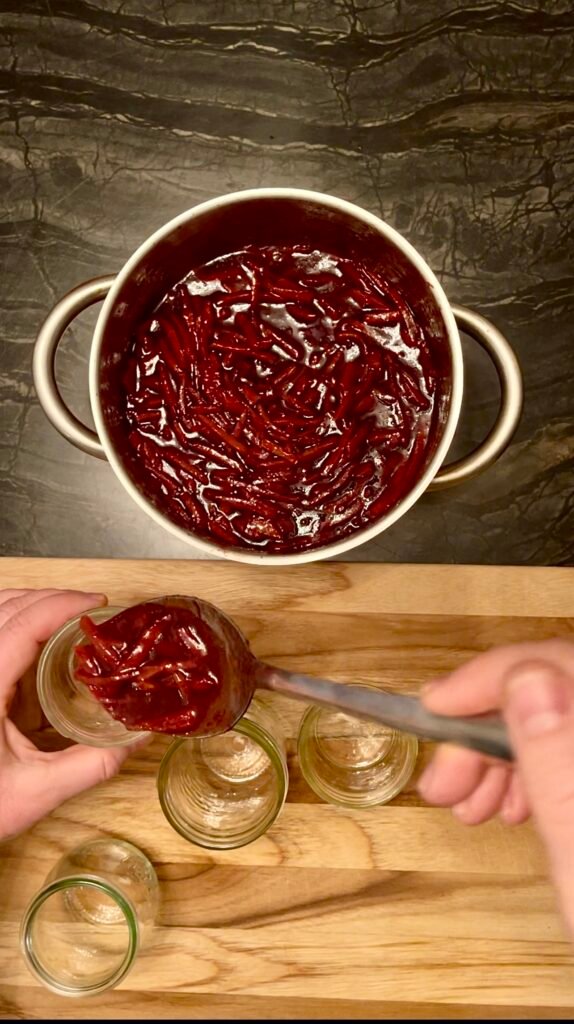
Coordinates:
[38,788]
[453,774]
[515,807]
[22,635]
[20,599]
[487,798]
[78,768]
[7,594]
[477,686]
[539,710]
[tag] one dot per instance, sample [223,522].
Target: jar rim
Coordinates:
[34,963]
[259,735]
[334,795]
[63,725]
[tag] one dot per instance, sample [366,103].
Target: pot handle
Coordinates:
[43,369]
[511,396]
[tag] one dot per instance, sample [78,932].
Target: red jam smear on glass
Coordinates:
[279,398]
[175,665]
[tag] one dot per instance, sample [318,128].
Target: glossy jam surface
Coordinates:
[279,399]
[176,665]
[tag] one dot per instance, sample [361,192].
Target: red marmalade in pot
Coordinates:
[279,398]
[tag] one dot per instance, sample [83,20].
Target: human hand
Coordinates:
[33,782]
[533,685]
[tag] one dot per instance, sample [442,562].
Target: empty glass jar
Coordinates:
[225,791]
[68,704]
[353,762]
[82,931]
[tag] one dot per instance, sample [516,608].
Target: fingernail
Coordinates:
[460,810]
[425,783]
[431,687]
[96,598]
[538,698]
[505,813]
[141,741]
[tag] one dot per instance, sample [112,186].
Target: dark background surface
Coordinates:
[452,120]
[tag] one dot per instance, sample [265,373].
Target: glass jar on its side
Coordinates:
[83,929]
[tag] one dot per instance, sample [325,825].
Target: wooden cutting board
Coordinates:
[397,911]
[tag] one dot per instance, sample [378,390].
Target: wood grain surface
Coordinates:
[392,912]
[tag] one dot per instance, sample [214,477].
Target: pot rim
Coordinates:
[212,548]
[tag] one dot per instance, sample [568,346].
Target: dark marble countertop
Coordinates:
[452,120]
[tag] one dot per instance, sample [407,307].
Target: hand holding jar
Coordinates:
[34,782]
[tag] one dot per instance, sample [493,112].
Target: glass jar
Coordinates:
[353,762]
[224,791]
[67,703]
[82,931]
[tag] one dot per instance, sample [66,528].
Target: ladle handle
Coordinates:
[487,734]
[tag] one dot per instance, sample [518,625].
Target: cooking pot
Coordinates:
[269,216]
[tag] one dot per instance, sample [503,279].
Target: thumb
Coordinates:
[539,710]
[77,768]
[44,781]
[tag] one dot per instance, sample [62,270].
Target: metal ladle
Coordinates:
[486,734]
